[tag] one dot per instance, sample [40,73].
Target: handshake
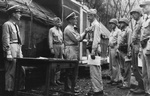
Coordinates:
[88,29]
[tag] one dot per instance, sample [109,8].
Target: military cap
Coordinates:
[15,8]
[124,20]
[57,20]
[71,16]
[92,11]
[138,10]
[114,21]
[145,3]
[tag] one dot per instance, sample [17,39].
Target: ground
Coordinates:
[84,85]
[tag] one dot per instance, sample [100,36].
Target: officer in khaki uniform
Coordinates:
[55,42]
[145,43]
[11,46]
[136,14]
[124,41]
[114,66]
[95,70]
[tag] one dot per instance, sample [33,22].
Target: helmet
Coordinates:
[138,10]
[125,20]
[114,21]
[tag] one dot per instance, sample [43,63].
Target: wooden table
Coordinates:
[49,63]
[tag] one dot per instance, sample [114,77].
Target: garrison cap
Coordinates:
[92,11]
[124,20]
[71,16]
[145,3]
[15,8]
[114,21]
[138,10]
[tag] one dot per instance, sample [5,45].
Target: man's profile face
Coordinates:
[90,17]
[17,15]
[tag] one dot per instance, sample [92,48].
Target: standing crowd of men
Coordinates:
[125,46]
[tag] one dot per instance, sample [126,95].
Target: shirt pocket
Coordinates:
[13,34]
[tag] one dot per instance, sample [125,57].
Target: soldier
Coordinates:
[71,41]
[124,52]
[56,47]
[135,45]
[145,43]
[114,66]
[11,46]
[95,37]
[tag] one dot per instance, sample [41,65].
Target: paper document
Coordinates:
[96,61]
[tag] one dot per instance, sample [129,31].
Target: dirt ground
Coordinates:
[84,85]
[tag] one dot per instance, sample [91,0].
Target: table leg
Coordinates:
[17,74]
[48,75]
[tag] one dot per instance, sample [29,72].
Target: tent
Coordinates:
[30,8]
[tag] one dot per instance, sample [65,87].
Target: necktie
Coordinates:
[18,36]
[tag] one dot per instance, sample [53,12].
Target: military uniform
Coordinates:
[12,48]
[145,57]
[135,39]
[71,42]
[124,41]
[114,66]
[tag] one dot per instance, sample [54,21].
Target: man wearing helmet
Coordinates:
[136,14]
[114,66]
[124,52]
[145,43]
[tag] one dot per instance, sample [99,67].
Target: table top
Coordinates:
[47,59]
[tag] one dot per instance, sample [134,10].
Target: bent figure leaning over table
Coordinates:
[11,46]
[95,70]
[71,41]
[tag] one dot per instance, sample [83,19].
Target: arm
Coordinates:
[6,39]
[50,39]
[96,38]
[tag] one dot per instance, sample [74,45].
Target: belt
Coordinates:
[14,43]
[71,45]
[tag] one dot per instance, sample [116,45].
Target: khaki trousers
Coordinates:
[10,67]
[146,70]
[114,66]
[96,78]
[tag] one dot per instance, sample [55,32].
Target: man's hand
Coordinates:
[52,50]
[9,57]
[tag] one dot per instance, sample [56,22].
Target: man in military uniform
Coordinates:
[95,70]
[11,46]
[145,43]
[124,41]
[136,14]
[71,42]
[114,66]
[56,47]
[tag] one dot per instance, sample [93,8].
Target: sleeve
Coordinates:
[50,39]
[129,37]
[6,38]
[73,37]
[96,39]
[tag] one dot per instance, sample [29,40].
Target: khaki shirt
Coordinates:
[71,36]
[9,34]
[137,31]
[55,36]
[125,37]
[97,34]
[145,29]
[113,38]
